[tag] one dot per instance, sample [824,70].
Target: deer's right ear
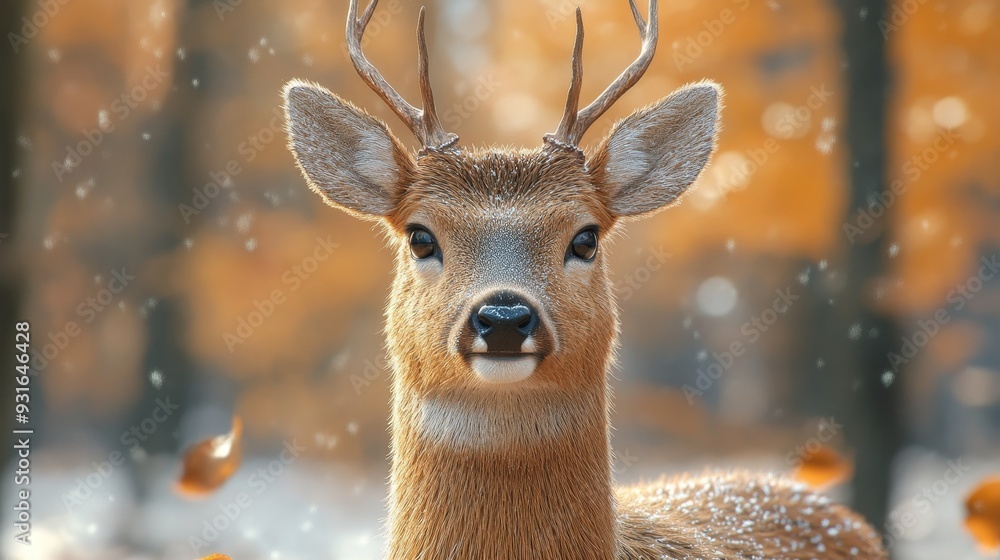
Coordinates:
[348,157]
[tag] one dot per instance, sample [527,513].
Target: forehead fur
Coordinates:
[469,180]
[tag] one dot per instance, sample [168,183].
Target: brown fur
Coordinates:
[522,470]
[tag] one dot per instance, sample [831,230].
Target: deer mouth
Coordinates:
[503,367]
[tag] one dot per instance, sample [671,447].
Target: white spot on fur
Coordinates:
[504,370]
[427,266]
[482,424]
[529,346]
[479,345]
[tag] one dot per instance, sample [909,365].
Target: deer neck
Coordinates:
[515,473]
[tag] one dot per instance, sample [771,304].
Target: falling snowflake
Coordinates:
[887,378]
[156,378]
[243,222]
[83,189]
[854,332]
[804,276]
[825,142]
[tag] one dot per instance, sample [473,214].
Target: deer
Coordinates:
[502,327]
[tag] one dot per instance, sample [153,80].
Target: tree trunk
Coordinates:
[862,336]
[11,264]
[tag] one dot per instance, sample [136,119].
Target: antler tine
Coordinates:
[355,31]
[436,136]
[568,121]
[572,128]
[638,18]
[649,33]
[424,123]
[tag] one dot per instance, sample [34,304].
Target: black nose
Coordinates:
[504,322]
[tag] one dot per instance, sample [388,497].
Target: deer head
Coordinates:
[501,279]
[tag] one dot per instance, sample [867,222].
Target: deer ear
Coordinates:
[348,157]
[652,156]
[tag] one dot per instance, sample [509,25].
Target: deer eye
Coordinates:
[422,243]
[584,245]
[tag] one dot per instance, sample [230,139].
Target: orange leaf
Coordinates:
[210,462]
[216,557]
[982,518]
[823,467]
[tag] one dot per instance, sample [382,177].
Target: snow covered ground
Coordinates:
[308,510]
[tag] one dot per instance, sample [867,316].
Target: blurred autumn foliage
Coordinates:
[151,157]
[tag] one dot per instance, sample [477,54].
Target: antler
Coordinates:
[574,124]
[424,123]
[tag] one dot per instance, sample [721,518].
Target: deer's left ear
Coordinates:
[652,156]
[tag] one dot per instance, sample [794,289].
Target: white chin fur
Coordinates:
[504,370]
